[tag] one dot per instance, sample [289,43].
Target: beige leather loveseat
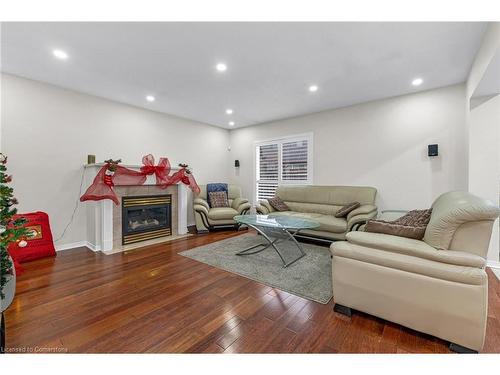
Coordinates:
[438,285]
[209,218]
[320,203]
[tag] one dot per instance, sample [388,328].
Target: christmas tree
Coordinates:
[11,230]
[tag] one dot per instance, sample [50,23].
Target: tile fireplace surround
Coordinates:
[104,218]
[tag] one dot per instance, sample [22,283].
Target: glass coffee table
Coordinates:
[275,229]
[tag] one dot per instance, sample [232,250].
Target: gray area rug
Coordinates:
[309,277]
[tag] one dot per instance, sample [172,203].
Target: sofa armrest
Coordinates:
[264,208]
[201,202]
[361,215]
[201,205]
[238,202]
[244,207]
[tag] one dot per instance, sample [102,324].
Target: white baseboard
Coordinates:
[92,247]
[74,245]
[493,264]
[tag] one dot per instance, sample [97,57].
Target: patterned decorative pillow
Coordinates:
[278,204]
[218,199]
[411,225]
[415,218]
[347,208]
[387,227]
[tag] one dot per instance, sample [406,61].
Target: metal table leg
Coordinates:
[271,242]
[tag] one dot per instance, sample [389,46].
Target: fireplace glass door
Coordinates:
[145,217]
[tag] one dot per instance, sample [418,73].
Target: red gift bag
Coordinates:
[40,243]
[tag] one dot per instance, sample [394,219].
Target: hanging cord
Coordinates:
[75,209]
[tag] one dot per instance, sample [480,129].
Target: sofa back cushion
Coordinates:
[461,221]
[324,209]
[327,195]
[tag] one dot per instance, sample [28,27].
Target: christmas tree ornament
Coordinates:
[2,229]
[22,243]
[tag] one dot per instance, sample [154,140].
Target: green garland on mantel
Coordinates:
[10,230]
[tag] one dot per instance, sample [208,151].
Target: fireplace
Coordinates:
[146,217]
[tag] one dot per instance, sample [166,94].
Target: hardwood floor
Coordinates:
[154,300]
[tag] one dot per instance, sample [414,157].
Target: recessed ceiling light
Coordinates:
[150,98]
[313,88]
[417,81]
[60,54]
[221,67]
[229,111]
[231,123]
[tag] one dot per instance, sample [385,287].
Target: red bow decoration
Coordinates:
[102,186]
[161,170]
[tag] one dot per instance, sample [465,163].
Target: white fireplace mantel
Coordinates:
[100,214]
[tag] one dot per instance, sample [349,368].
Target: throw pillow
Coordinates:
[387,227]
[218,199]
[344,211]
[278,204]
[415,218]
[411,225]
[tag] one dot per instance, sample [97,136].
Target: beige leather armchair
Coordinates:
[438,286]
[208,218]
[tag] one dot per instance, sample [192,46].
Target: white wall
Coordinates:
[381,144]
[47,133]
[484,162]
[483,134]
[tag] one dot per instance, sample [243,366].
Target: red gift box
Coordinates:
[39,245]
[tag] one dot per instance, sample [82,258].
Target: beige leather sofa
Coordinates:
[208,218]
[320,203]
[437,286]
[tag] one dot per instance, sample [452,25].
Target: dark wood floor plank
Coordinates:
[155,300]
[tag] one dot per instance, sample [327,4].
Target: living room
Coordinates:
[200,187]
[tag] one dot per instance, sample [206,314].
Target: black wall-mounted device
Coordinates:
[432,150]
[236,163]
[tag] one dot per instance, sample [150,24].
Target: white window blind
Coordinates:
[267,170]
[294,161]
[282,161]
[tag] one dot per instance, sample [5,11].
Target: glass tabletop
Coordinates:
[270,221]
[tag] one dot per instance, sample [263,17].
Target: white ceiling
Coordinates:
[270,65]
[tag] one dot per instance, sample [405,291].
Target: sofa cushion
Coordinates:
[324,209]
[332,224]
[278,204]
[327,223]
[344,211]
[222,213]
[414,248]
[218,199]
[407,263]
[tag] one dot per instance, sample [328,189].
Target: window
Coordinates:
[282,161]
